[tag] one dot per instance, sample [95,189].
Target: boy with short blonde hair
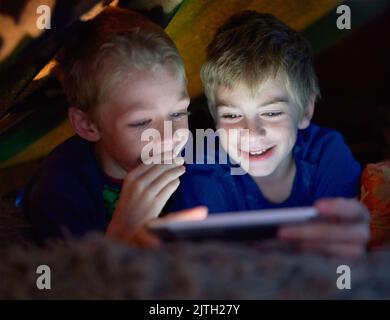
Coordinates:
[250,53]
[112,44]
[260,84]
[121,75]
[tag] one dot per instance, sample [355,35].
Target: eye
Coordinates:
[271,114]
[179,115]
[231,116]
[140,124]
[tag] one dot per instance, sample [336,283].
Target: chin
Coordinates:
[255,171]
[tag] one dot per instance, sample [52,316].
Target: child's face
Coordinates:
[271,119]
[143,101]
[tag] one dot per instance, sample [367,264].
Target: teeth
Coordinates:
[256,153]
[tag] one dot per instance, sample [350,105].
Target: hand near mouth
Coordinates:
[145,191]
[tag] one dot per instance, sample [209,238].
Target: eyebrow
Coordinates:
[140,106]
[271,100]
[223,103]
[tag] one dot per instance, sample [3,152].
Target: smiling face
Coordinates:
[142,101]
[262,128]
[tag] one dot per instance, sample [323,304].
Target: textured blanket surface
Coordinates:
[94,268]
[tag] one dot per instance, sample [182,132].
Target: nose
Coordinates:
[166,136]
[256,127]
[171,139]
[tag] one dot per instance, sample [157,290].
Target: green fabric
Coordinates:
[110,196]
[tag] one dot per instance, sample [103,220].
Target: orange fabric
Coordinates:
[375,194]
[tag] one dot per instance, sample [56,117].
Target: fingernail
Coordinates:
[179,161]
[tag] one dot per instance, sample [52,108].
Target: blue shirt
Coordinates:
[69,196]
[72,196]
[325,167]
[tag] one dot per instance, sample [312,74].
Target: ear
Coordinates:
[306,118]
[83,125]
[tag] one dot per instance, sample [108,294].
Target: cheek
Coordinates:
[125,145]
[181,135]
[229,126]
[180,124]
[286,131]
[180,138]
[230,137]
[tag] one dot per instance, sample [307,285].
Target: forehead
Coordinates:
[270,89]
[146,90]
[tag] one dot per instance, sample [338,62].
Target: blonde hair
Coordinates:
[112,45]
[251,47]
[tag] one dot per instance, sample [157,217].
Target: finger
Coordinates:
[144,239]
[197,213]
[138,171]
[151,175]
[143,168]
[326,232]
[167,157]
[163,180]
[164,195]
[143,183]
[342,209]
[337,250]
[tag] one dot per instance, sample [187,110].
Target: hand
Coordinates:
[145,191]
[143,238]
[342,232]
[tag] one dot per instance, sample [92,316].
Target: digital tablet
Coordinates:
[243,225]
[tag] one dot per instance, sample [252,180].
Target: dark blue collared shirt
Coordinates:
[325,168]
[71,195]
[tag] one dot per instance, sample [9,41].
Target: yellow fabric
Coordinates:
[42,146]
[192,29]
[375,194]
[194,25]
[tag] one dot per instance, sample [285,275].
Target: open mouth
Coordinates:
[260,154]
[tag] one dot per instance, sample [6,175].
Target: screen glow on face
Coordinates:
[142,101]
[266,125]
